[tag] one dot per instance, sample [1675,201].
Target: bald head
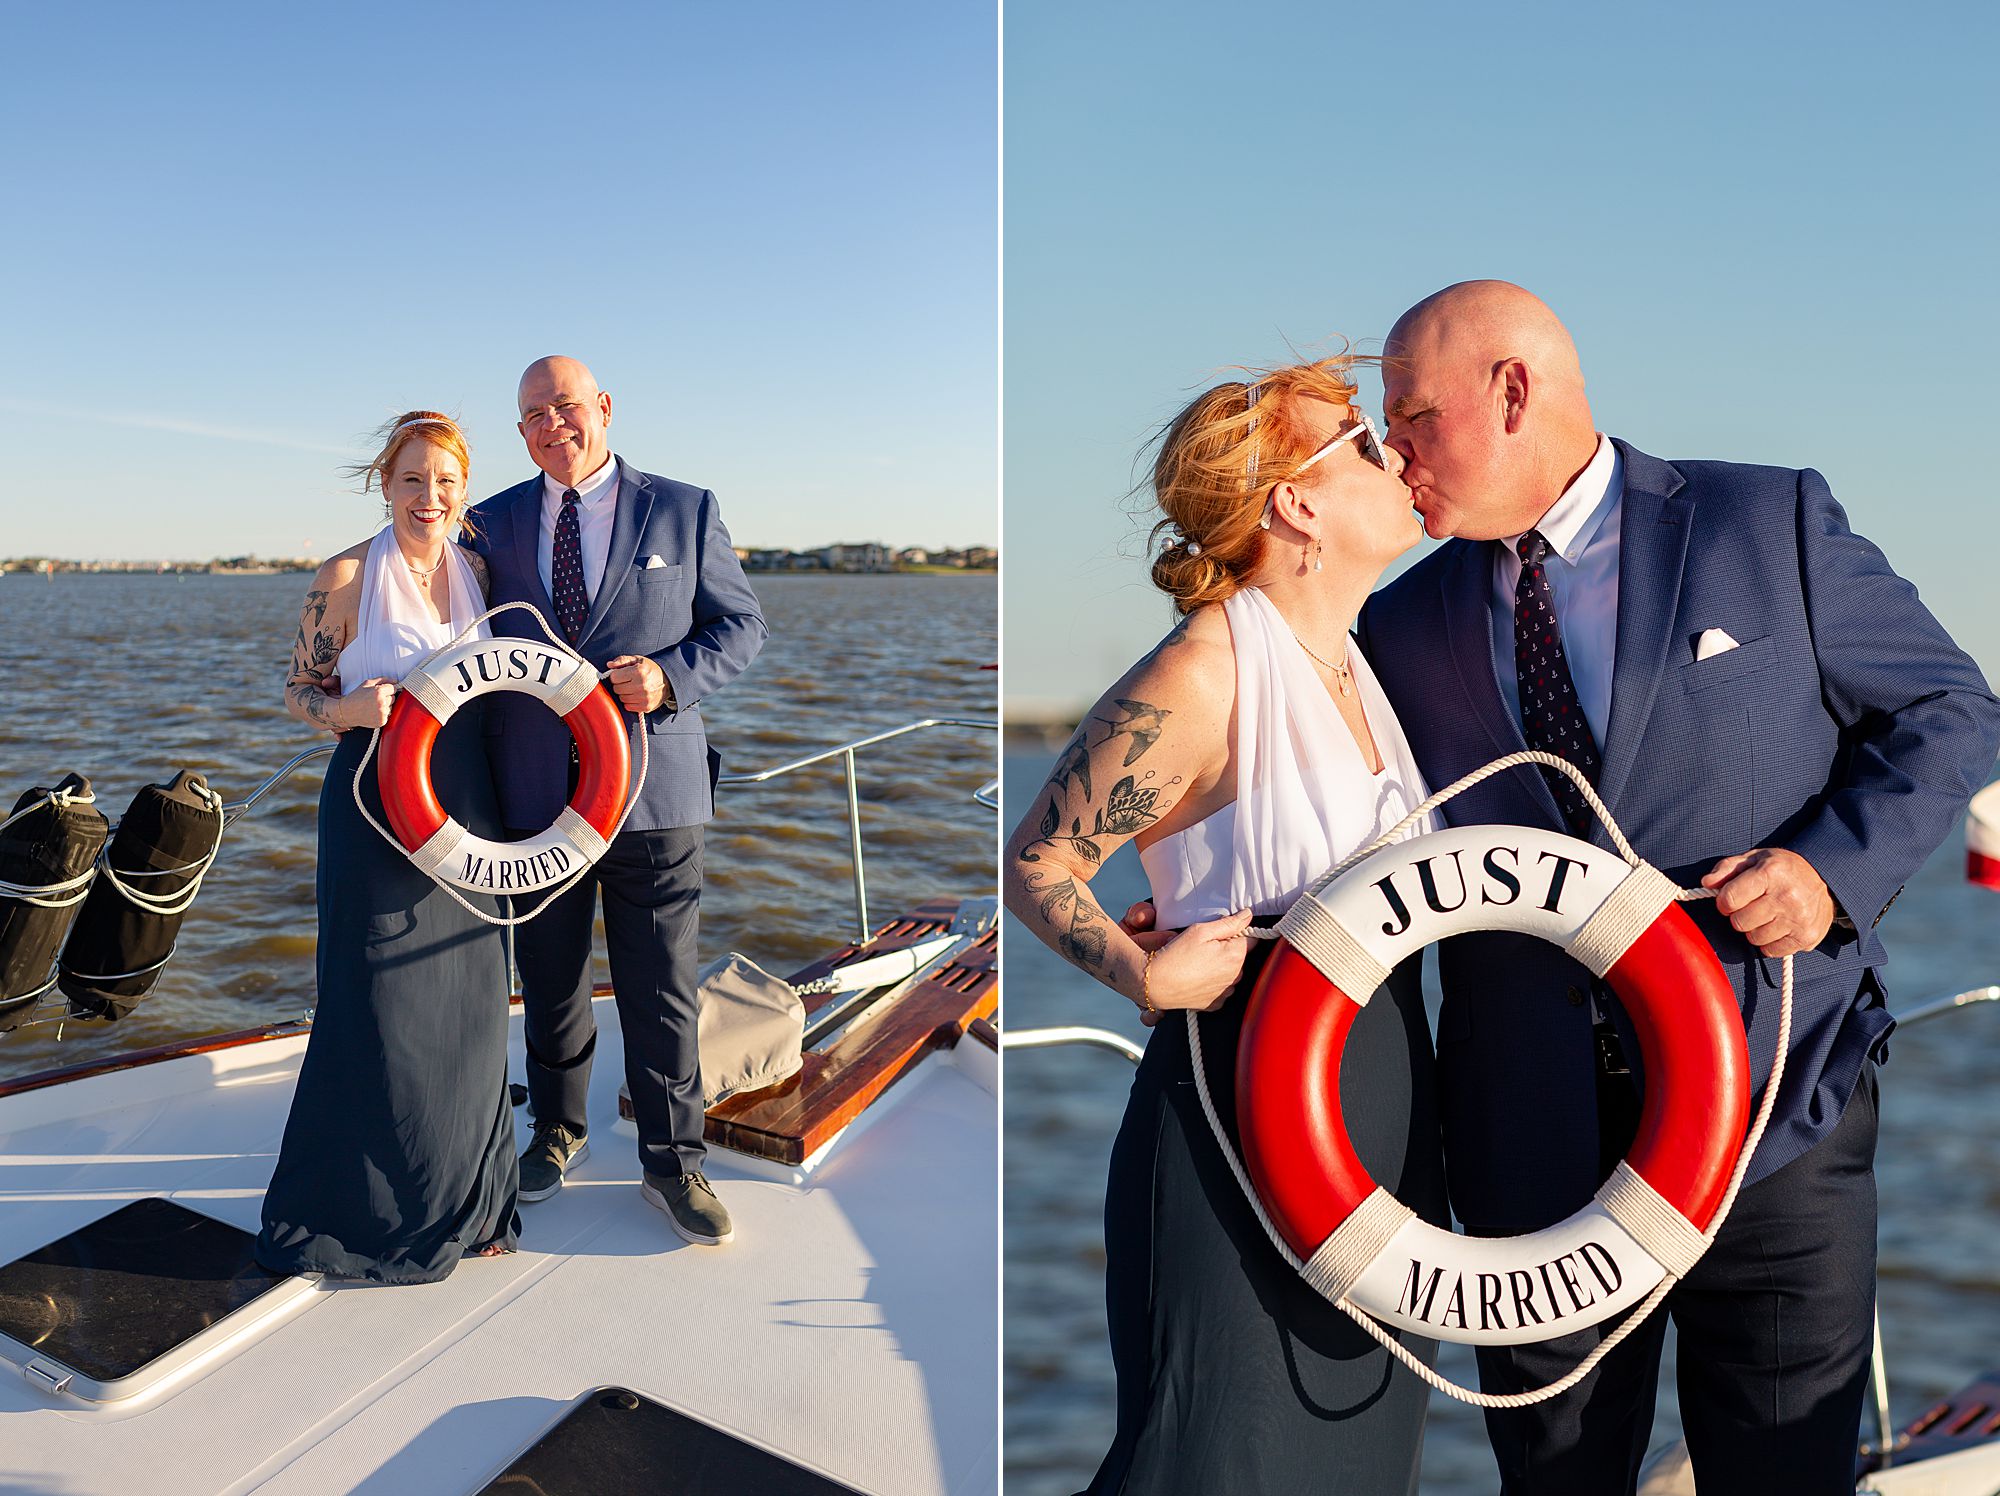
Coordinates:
[564,416]
[556,371]
[1485,400]
[1485,321]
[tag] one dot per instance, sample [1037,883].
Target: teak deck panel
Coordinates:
[791,1120]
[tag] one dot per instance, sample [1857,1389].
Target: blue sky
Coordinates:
[1770,227]
[239,236]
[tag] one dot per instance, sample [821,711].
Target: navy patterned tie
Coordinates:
[1552,718]
[566,570]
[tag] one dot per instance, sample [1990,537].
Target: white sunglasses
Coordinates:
[1362,433]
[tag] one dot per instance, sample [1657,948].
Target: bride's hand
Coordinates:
[368,704]
[1198,967]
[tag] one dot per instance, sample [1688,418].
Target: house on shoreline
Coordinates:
[868,556]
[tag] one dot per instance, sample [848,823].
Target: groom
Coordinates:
[1768,711]
[637,573]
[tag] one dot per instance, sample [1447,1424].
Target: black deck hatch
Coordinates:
[617,1443]
[124,1290]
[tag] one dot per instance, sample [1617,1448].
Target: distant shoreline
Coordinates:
[200,569]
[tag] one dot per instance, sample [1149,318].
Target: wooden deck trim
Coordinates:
[792,1120]
[176,1050]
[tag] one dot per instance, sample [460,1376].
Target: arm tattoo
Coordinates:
[1131,808]
[1134,802]
[1143,723]
[315,654]
[1080,927]
[1073,915]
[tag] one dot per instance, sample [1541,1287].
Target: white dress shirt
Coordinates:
[596,503]
[1582,529]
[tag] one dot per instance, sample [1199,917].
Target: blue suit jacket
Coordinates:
[1846,727]
[693,614]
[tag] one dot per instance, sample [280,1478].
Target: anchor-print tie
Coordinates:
[566,570]
[1552,718]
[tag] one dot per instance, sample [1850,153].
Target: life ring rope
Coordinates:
[433,854]
[1658,1227]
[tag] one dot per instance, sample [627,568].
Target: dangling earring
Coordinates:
[1319,555]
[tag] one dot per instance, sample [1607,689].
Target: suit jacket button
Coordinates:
[1575,996]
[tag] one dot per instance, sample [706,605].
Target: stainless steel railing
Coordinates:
[231,809]
[1072,1033]
[986,794]
[846,752]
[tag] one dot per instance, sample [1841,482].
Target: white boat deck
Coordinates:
[851,1326]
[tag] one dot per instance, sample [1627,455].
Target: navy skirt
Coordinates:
[1233,1374]
[398,1155]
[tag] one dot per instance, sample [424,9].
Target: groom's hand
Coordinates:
[638,683]
[1139,922]
[1773,899]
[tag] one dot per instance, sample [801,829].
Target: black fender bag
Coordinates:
[117,950]
[51,844]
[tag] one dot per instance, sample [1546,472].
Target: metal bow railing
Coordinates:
[845,752]
[986,794]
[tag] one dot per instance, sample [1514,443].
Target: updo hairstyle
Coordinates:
[1217,461]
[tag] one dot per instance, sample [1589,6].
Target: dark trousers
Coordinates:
[651,881]
[1774,1329]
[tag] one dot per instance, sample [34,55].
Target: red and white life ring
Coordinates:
[1982,837]
[1355,1240]
[569,687]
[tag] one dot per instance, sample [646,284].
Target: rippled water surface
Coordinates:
[129,678]
[1937,1169]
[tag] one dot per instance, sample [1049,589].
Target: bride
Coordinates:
[398,1156]
[1247,753]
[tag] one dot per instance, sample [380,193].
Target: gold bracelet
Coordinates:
[1145,984]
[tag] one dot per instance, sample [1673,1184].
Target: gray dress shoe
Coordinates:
[548,1158]
[691,1207]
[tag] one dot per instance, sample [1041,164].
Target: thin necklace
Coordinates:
[440,561]
[1339,670]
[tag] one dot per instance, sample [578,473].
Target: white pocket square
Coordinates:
[1712,643]
[654,563]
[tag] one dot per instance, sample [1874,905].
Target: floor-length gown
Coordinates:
[398,1155]
[1233,1374]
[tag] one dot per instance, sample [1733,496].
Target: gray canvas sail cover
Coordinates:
[752,1028]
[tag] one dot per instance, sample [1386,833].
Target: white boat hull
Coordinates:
[851,1327]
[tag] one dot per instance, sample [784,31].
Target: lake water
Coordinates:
[1938,1171]
[129,678]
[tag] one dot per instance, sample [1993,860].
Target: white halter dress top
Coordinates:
[1305,797]
[394,629]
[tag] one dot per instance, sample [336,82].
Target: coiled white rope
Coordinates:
[555,891]
[1654,1299]
[51,895]
[181,899]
